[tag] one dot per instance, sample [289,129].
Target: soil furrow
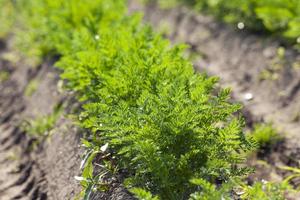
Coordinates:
[17,171]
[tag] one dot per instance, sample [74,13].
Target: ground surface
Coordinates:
[30,171]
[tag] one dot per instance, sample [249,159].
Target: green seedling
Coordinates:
[295,174]
[209,191]
[7,17]
[266,135]
[142,194]
[167,4]
[11,57]
[265,190]
[4,75]
[296,65]
[296,117]
[267,74]
[31,87]
[90,180]
[41,126]
[239,190]
[12,156]
[277,64]
[164,28]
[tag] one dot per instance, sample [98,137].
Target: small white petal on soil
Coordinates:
[248,96]
[239,191]
[60,85]
[79,178]
[241,25]
[104,147]
[264,181]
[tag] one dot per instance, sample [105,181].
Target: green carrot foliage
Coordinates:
[165,123]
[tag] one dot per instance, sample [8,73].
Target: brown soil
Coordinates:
[30,170]
[241,59]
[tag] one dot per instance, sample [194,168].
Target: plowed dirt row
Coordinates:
[30,169]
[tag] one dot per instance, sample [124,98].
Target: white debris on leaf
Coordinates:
[85,159]
[248,96]
[97,37]
[239,191]
[82,164]
[79,178]
[104,147]
[298,40]
[60,85]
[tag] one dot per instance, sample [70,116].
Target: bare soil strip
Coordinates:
[29,170]
[20,177]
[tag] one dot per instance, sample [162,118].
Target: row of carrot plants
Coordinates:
[172,131]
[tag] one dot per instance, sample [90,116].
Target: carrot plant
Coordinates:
[4,75]
[140,97]
[41,126]
[266,135]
